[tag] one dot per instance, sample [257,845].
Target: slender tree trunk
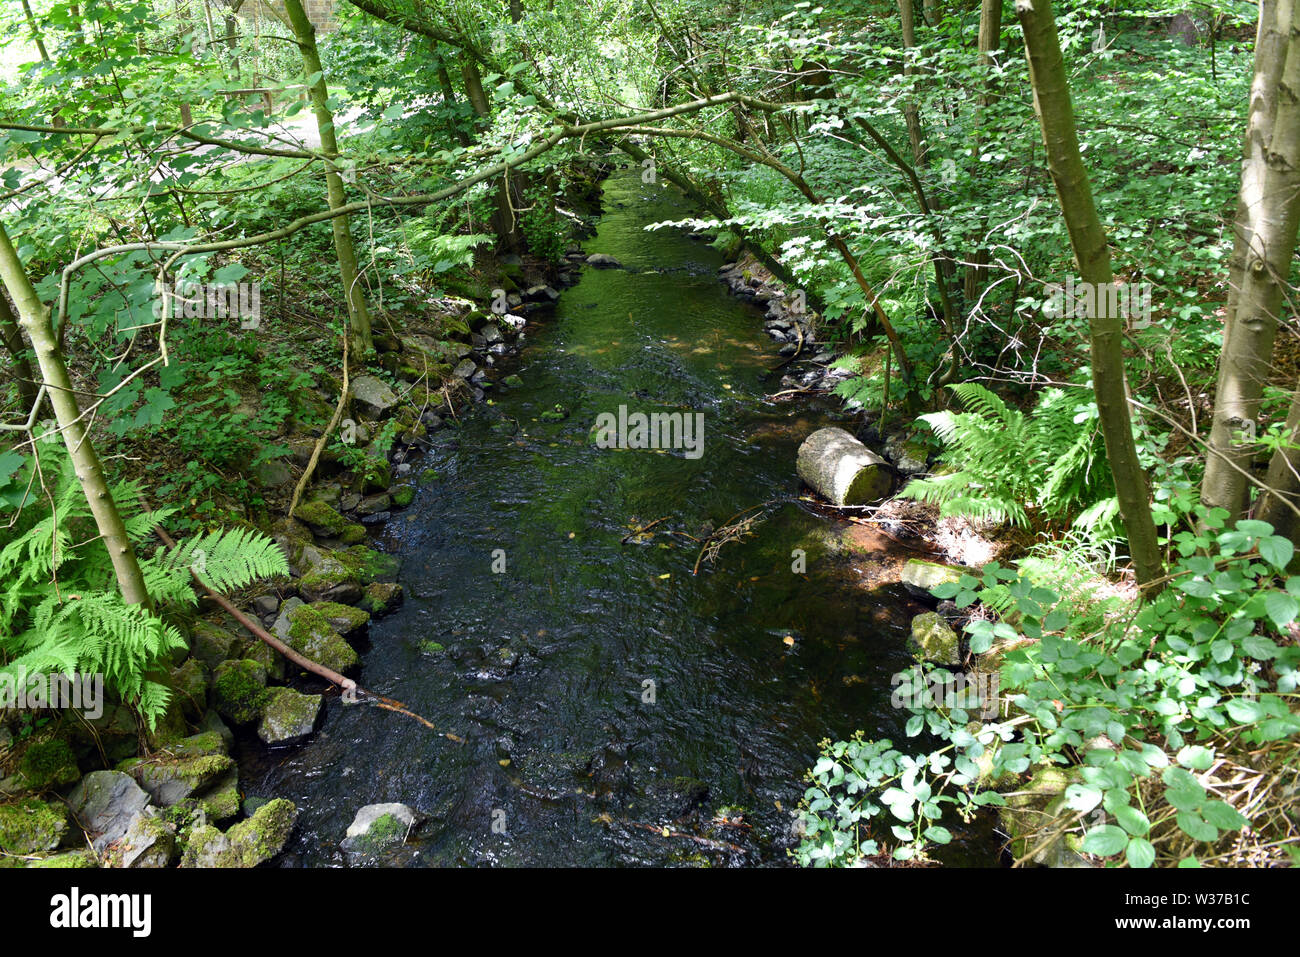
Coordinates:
[449,97]
[35,317]
[1268,210]
[1056,115]
[990,40]
[36,30]
[1277,505]
[17,348]
[910,114]
[504,221]
[358,315]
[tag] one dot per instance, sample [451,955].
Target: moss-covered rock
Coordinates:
[326,521]
[919,577]
[379,826]
[169,780]
[150,842]
[268,658]
[48,764]
[247,843]
[380,598]
[933,639]
[221,801]
[80,859]
[212,645]
[344,619]
[31,827]
[289,716]
[190,684]
[239,690]
[1029,819]
[341,575]
[428,477]
[403,495]
[311,634]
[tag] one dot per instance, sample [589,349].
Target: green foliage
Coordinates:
[1140,709]
[60,610]
[1004,462]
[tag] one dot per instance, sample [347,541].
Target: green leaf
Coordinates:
[1105,840]
[1281,607]
[1223,815]
[1140,853]
[1132,820]
[1277,551]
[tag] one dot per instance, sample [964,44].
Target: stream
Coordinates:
[614,708]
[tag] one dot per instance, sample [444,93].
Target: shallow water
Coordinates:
[544,668]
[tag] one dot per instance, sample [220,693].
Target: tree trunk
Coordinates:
[35,317]
[842,470]
[13,342]
[910,114]
[1056,115]
[36,30]
[1268,210]
[504,221]
[990,40]
[358,315]
[1277,505]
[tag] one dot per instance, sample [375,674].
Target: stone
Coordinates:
[378,826]
[919,576]
[323,519]
[541,293]
[104,803]
[465,369]
[32,826]
[603,261]
[373,394]
[310,634]
[272,474]
[289,716]
[908,455]
[380,598]
[47,764]
[373,504]
[248,843]
[933,639]
[149,842]
[344,619]
[170,781]
[264,605]
[210,644]
[190,684]
[239,690]
[403,495]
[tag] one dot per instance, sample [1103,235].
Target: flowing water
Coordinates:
[604,693]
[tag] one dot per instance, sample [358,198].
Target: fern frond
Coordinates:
[224,559]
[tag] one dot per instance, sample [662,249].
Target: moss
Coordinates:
[319,515]
[381,598]
[433,647]
[428,476]
[353,534]
[264,834]
[221,801]
[403,495]
[31,826]
[48,764]
[310,633]
[68,859]
[239,690]
[342,618]
[512,381]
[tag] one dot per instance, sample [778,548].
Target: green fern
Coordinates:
[60,611]
[1003,464]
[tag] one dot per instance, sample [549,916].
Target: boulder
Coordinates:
[603,261]
[288,717]
[171,780]
[247,843]
[920,577]
[239,690]
[311,635]
[149,842]
[843,470]
[104,804]
[933,639]
[342,618]
[378,826]
[32,826]
[373,395]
